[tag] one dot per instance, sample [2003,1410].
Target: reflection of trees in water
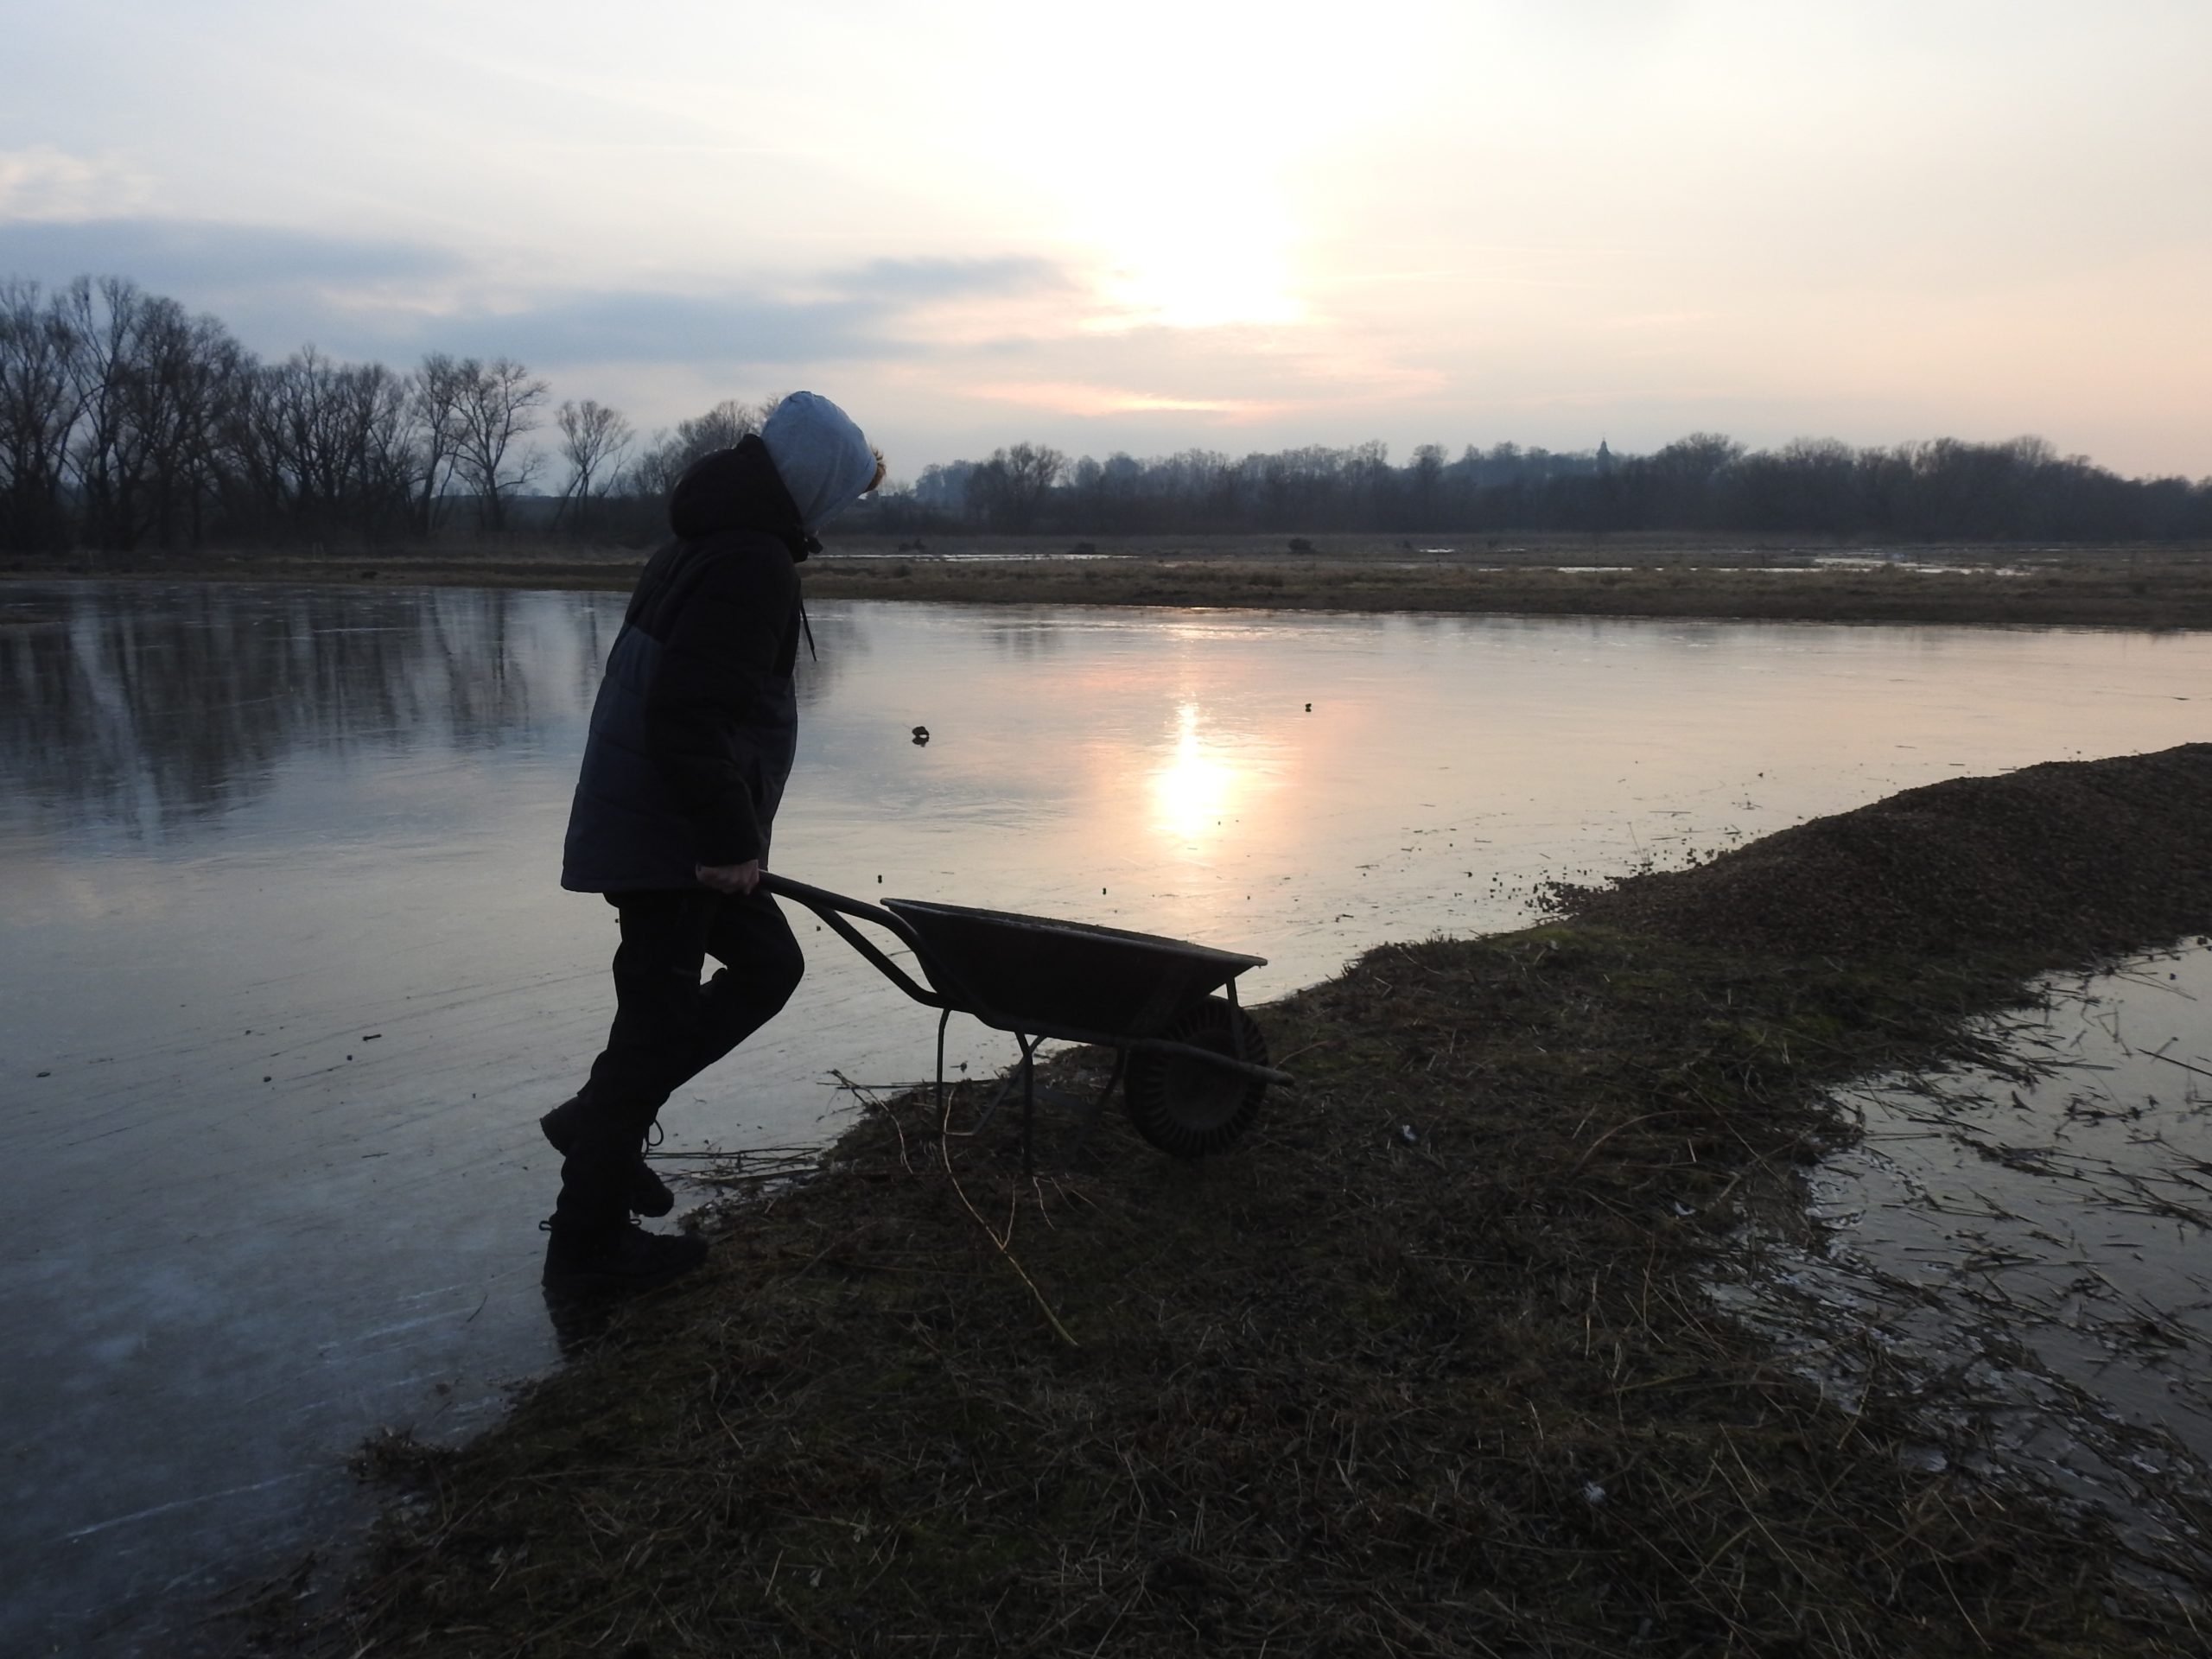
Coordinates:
[1025,638]
[142,708]
[839,639]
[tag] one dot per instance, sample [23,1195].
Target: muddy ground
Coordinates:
[1425,1364]
[2116,586]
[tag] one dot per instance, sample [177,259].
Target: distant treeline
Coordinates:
[1944,489]
[128,424]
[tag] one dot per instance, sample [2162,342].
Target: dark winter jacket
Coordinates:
[696,723]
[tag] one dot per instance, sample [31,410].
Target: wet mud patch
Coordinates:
[1428,1363]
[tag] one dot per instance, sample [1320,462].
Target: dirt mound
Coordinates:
[2061,861]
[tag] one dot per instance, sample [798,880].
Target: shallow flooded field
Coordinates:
[290,977]
[2035,1230]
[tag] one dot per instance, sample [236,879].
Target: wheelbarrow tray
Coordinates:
[1149,998]
[1034,973]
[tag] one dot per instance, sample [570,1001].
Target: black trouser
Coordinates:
[669,1027]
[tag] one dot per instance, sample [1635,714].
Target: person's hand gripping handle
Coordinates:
[739,879]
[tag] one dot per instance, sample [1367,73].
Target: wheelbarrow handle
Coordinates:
[834,907]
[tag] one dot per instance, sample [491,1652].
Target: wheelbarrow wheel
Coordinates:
[1185,1106]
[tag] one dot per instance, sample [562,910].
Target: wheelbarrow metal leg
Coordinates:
[943,1021]
[1024,1075]
[1028,1097]
[1094,1108]
[999,1096]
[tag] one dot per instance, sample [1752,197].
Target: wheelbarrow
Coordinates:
[1193,1065]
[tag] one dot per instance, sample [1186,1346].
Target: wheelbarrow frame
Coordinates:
[949,991]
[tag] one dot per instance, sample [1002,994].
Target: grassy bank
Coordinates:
[2162,593]
[1650,576]
[1424,1365]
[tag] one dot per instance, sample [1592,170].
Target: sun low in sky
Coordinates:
[1154,226]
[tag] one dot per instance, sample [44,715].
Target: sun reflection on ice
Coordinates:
[1198,784]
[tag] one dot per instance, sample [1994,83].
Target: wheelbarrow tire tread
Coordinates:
[1185,1107]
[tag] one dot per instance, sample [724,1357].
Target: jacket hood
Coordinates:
[822,458]
[737,489]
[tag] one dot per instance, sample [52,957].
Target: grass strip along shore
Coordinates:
[2101,591]
[1424,1365]
[2045,587]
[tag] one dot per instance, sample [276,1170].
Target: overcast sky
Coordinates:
[1148,226]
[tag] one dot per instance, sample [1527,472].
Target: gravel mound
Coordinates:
[2067,860]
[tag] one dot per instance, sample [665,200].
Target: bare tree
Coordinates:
[327,447]
[1009,489]
[439,389]
[723,427]
[1425,488]
[37,411]
[104,321]
[498,404]
[594,438]
[188,374]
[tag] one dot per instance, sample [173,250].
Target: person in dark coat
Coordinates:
[691,739]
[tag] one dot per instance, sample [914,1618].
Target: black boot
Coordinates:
[618,1259]
[648,1193]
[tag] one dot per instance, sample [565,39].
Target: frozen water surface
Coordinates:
[289,976]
